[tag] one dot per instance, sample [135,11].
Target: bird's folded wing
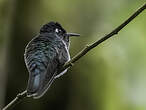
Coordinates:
[42,66]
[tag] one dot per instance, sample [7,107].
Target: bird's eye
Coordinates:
[56,30]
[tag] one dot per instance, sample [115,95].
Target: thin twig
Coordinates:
[23,95]
[15,101]
[102,39]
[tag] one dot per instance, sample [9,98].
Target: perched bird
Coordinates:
[44,55]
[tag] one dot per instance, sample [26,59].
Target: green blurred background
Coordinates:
[110,77]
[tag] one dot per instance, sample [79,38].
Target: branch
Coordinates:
[15,101]
[102,39]
[83,52]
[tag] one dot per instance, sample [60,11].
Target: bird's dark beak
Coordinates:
[72,34]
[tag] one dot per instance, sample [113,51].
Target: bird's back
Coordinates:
[43,56]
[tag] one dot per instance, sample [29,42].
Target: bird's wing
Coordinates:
[42,64]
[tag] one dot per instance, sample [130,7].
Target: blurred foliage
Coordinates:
[110,77]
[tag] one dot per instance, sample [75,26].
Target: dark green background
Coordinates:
[110,77]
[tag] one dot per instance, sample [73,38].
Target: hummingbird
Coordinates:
[44,55]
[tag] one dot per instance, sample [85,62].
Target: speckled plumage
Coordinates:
[43,56]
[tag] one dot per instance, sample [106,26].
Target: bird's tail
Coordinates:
[34,83]
[44,89]
[38,84]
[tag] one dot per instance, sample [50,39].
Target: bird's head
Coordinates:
[55,27]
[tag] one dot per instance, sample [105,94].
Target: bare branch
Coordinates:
[15,101]
[102,39]
[83,52]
